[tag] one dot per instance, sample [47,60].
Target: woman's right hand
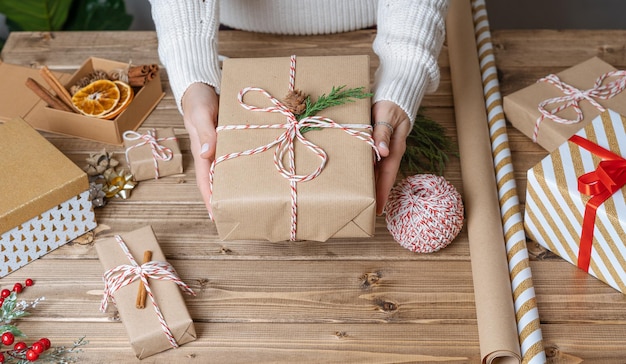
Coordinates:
[200,109]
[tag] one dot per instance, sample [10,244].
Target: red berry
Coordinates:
[29,282]
[5,293]
[17,288]
[38,347]
[1,358]
[19,346]
[45,342]
[1,301]
[31,355]
[8,338]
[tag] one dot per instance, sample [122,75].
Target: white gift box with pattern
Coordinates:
[44,199]
[586,229]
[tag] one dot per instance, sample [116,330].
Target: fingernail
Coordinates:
[205,148]
[383,145]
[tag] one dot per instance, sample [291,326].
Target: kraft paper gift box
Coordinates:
[153,154]
[145,332]
[16,100]
[559,214]
[521,107]
[251,199]
[44,197]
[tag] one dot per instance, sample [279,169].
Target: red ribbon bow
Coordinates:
[601,184]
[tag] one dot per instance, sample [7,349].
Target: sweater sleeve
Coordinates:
[409,37]
[187,33]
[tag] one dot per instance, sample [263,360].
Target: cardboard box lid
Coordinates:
[17,100]
[36,176]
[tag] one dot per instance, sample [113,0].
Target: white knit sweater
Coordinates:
[409,37]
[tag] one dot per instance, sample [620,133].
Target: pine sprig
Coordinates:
[337,96]
[428,147]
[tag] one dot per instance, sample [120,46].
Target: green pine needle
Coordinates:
[337,96]
[428,147]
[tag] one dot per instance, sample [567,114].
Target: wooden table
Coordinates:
[350,301]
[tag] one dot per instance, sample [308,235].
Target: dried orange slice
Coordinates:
[126,96]
[97,99]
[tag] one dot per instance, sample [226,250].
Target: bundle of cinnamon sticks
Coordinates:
[140,75]
[60,99]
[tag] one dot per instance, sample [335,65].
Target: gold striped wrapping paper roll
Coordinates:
[555,209]
[527,314]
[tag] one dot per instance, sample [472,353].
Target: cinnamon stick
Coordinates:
[57,87]
[46,95]
[136,71]
[142,293]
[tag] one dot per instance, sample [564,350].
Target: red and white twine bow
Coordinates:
[125,274]
[159,152]
[574,96]
[284,143]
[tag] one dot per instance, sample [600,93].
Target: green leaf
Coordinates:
[12,329]
[36,15]
[98,15]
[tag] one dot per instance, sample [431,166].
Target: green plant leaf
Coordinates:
[36,15]
[98,15]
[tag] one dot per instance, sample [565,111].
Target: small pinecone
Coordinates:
[295,101]
[94,76]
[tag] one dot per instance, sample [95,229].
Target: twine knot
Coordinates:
[573,96]
[125,274]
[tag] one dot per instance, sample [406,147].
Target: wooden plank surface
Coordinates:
[345,300]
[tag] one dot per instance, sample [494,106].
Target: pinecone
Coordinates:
[295,102]
[94,76]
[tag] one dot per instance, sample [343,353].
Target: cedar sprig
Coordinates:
[428,148]
[337,96]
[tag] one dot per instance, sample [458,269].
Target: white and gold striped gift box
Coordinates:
[555,208]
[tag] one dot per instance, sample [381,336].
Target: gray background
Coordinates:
[503,14]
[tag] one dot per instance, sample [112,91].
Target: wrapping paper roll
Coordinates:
[495,313]
[525,302]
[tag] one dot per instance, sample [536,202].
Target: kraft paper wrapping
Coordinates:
[141,159]
[39,177]
[251,199]
[521,106]
[524,298]
[142,325]
[495,313]
[555,208]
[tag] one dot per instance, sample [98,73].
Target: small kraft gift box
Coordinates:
[17,100]
[559,105]
[575,201]
[44,199]
[153,154]
[146,291]
[278,176]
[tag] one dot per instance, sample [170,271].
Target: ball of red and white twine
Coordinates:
[424,213]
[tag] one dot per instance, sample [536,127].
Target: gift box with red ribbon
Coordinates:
[558,105]
[576,201]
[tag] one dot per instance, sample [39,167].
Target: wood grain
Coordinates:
[345,300]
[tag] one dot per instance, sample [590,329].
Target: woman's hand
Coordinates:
[200,108]
[391,127]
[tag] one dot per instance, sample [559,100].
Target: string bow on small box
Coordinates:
[126,274]
[284,143]
[601,184]
[159,151]
[574,96]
